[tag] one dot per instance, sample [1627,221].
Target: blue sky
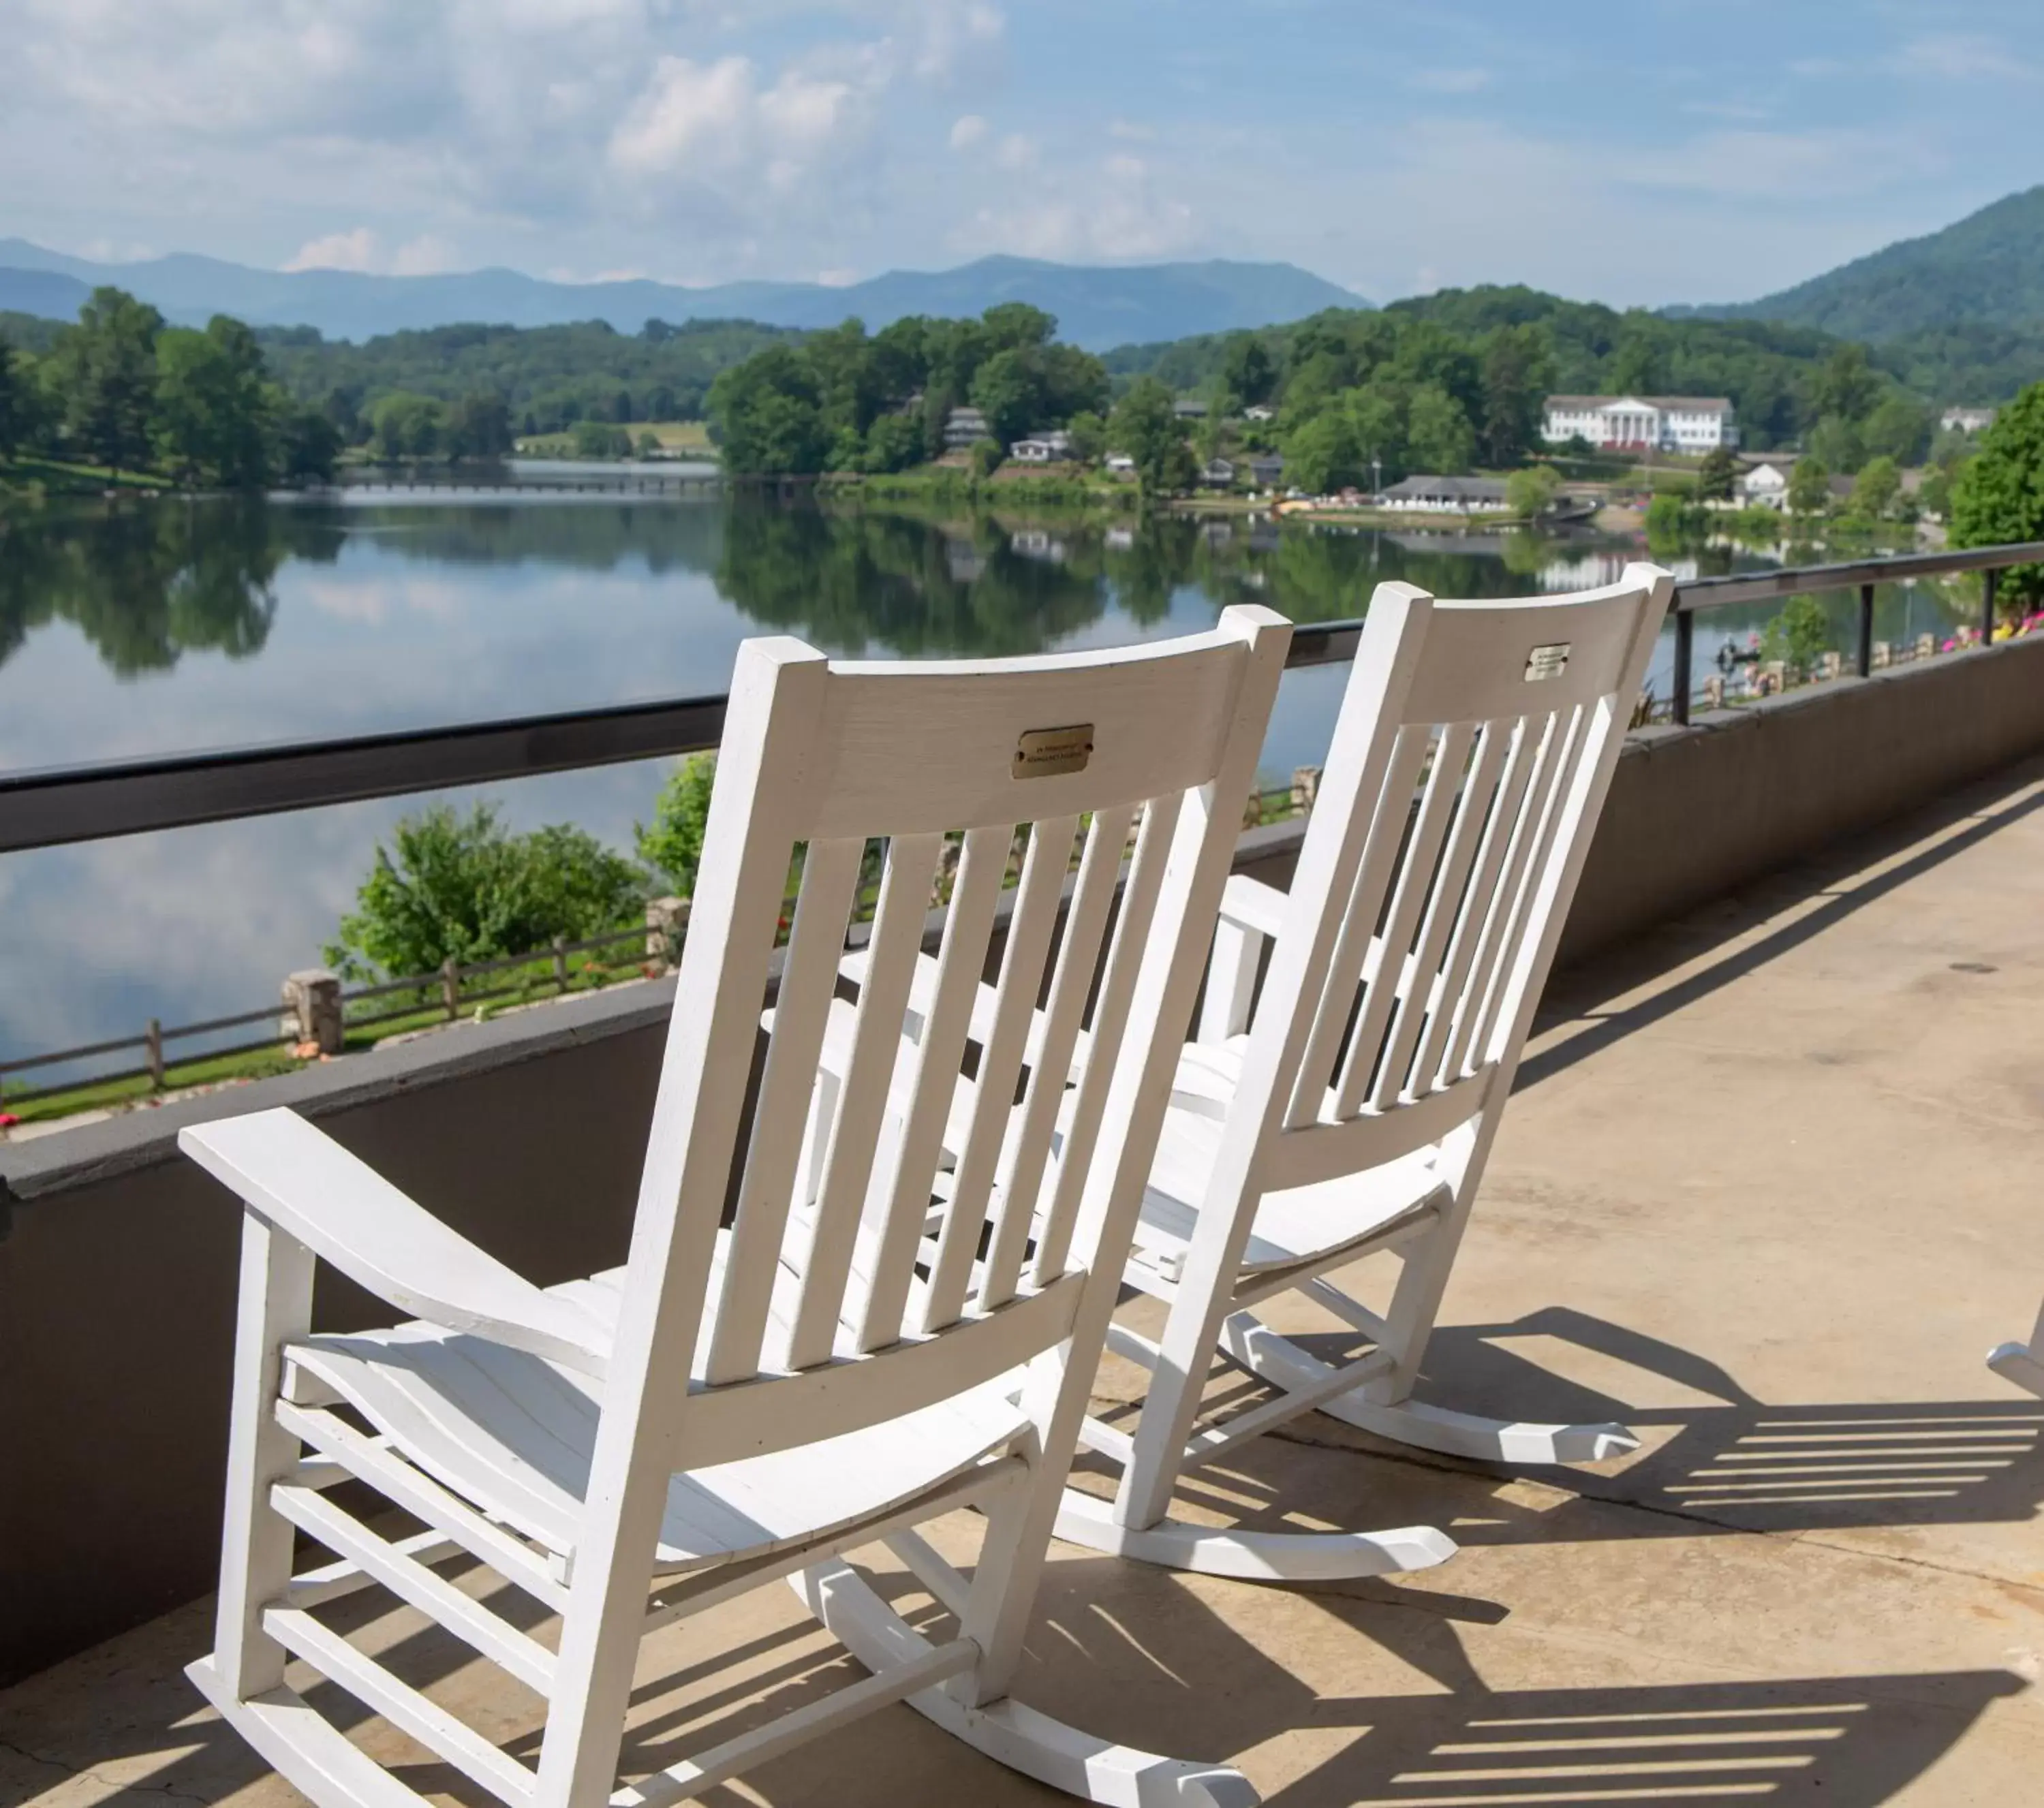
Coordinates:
[1660,151]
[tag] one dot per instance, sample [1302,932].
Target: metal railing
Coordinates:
[90,803]
[1860,574]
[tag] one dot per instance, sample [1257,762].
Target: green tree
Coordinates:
[1798,635]
[1717,476]
[1935,496]
[672,847]
[1325,454]
[1838,443]
[478,426]
[987,457]
[18,413]
[1517,370]
[467,889]
[1008,391]
[767,414]
[212,418]
[405,426]
[1439,440]
[1247,369]
[1845,386]
[308,441]
[600,439]
[1145,425]
[1998,495]
[1014,326]
[1088,435]
[105,373]
[893,443]
[1809,486]
[1898,428]
[1530,493]
[1877,489]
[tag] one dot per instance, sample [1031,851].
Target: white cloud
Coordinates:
[356,250]
[360,249]
[1130,131]
[1116,210]
[1018,150]
[1448,81]
[1960,56]
[968,130]
[842,277]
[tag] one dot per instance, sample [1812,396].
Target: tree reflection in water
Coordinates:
[146,585]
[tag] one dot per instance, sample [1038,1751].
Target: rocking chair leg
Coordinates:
[1094,1770]
[276,1305]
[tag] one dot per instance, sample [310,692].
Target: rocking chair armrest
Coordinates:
[298,1178]
[1251,905]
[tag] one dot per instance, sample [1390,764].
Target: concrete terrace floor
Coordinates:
[1773,1185]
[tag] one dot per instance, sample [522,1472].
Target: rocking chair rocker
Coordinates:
[2022,1363]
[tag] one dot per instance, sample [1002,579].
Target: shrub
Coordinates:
[467,889]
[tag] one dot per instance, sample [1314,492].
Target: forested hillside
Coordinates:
[547,377]
[1774,376]
[1987,269]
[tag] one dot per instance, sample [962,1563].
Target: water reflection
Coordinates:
[162,628]
[145,586]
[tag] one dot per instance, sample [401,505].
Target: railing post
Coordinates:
[1686,650]
[155,1054]
[1990,581]
[1865,630]
[450,986]
[561,962]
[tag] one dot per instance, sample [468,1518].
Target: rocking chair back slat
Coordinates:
[939,1055]
[861,1106]
[1335,976]
[1509,792]
[1427,997]
[1415,874]
[1541,750]
[1542,830]
[1071,983]
[1117,985]
[1022,965]
[829,875]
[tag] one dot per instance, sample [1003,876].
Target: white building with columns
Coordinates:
[1644,424]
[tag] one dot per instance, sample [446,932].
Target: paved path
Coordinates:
[1773,1185]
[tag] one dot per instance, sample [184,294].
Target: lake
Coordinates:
[168,627]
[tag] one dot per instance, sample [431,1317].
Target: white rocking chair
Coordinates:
[743,1404]
[1353,1116]
[2022,1363]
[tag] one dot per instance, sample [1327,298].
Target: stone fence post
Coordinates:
[666,923]
[1305,788]
[311,1009]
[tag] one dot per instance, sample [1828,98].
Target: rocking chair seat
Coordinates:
[1294,1226]
[514,1433]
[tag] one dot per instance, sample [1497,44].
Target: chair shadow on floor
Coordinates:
[1135,1654]
[1739,1462]
[1136,1644]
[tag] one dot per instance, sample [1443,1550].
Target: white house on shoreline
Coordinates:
[1643,424]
